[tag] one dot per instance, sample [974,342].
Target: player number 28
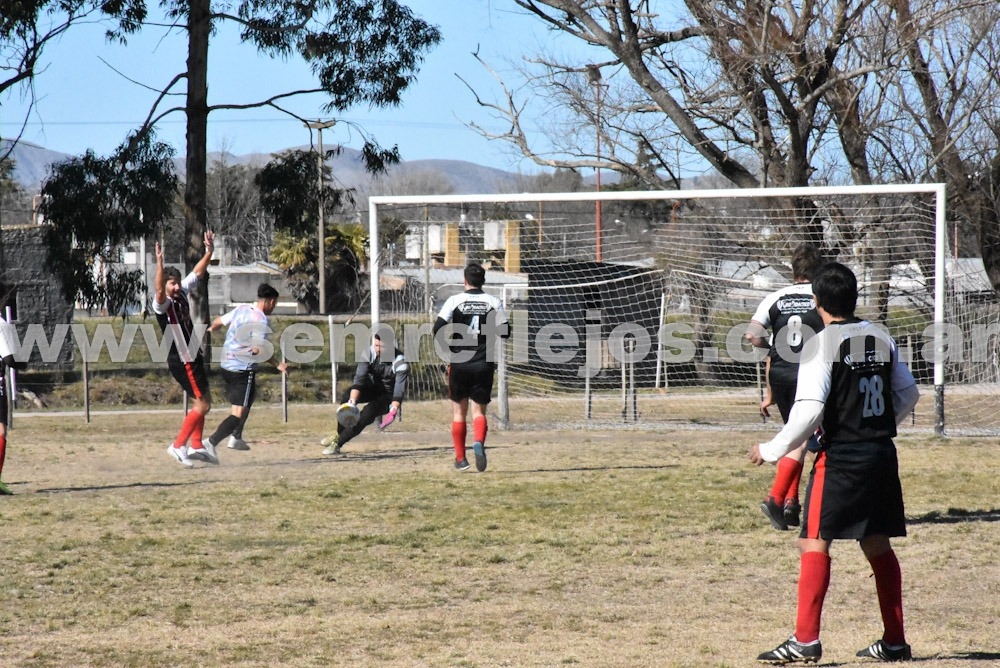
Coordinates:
[874,403]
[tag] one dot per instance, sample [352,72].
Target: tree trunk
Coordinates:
[195,187]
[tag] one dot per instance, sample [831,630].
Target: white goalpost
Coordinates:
[633,312]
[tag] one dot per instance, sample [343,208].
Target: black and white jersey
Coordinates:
[481,315]
[790,315]
[853,369]
[175,315]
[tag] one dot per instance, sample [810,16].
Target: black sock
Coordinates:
[225,429]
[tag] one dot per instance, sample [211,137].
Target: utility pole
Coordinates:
[594,74]
[319,126]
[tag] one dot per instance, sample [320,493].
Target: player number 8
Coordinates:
[793,331]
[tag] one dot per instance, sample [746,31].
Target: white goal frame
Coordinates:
[940,235]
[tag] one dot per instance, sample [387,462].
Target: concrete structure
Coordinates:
[32,291]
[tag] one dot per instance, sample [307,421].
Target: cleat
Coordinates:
[883,651]
[332,446]
[208,452]
[480,451]
[791,511]
[775,513]
[462,464]
[197,455]
[5,490]
[180,454]
[792,651]
[237,444]
[330,440]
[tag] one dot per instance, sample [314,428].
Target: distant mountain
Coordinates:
[32,164]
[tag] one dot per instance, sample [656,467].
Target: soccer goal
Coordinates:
[629,307]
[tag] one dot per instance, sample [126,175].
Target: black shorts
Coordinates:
[191,377]
[241,387]
[783,396]
[471,381]
[854,492]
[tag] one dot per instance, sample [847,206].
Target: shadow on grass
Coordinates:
[622,467]
[956,516]
[372,455]
[963,656]
[103,488]
[445,451]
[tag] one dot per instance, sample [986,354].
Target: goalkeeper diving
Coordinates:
[379,384]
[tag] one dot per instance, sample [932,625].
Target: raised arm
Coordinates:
[160,280]
[201,269]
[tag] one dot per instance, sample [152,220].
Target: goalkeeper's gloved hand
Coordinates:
[389,418]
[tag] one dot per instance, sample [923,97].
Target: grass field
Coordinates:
[576,548]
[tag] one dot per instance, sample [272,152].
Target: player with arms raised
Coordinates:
[851,382]
[476,318]
[173,313]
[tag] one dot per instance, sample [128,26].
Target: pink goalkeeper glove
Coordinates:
[389,418]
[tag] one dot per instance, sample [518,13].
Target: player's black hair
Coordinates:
[265,291]
[475,275]
[836,289]
[806,260]
[171,272]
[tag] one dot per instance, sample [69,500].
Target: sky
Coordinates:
[92,92]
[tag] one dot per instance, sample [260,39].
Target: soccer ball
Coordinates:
[348,415]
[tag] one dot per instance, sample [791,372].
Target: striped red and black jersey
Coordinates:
[175,315]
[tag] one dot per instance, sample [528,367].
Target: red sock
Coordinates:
[792,495]
[3,450]
[814,580]
[479,428]
[889,584]
[198,432]
[190,420]
[789,472]
[458,430]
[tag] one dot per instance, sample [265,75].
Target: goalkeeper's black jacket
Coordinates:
[390,375]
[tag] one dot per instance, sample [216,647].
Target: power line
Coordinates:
[217,121]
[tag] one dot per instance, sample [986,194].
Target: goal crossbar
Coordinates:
[937,190]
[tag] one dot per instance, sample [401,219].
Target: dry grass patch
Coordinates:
[576,548]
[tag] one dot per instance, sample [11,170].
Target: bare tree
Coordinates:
[773,94]
[234,210]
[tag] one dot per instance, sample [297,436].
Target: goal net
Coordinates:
[630,306]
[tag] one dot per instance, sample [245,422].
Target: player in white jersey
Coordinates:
[8,347]
[247,330]
[851,382]
[475,319]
